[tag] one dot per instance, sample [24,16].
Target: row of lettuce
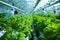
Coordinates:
[21,26]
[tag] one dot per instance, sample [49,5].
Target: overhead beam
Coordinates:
[35,6]
[53,3]
[12,6]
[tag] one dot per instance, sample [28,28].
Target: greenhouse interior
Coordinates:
[29,19]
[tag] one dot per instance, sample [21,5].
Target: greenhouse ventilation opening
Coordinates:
[29,19]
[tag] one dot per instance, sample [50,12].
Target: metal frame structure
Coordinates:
[33,7]
[12,6]
[47,6]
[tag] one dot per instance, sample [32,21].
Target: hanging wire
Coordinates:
[12,6]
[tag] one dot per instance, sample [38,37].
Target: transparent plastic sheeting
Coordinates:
[2,33]
[25,5]
[50,6]
[45,4]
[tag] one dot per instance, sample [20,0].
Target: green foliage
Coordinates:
[2,15]
[19,26]
[38,22]
[49,14]
[48,24]
[2,20]
[58,16]
[51,31]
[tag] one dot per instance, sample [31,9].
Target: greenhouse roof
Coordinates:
[27,6]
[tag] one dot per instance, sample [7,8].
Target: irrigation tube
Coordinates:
[12,6]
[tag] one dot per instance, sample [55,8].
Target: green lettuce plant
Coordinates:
[20,26]
[17,27]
